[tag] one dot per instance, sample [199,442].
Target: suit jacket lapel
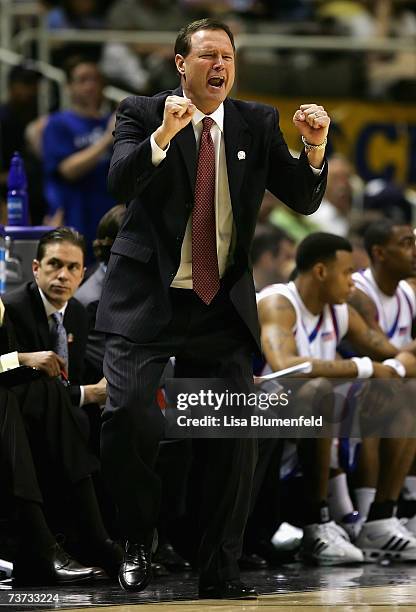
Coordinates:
[40,316]
[237,139]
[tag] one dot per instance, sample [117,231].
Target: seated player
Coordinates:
[386,299]
[306,319]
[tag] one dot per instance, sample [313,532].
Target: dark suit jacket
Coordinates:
[146,254]
[25,309]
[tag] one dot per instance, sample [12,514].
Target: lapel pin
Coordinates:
[241,155]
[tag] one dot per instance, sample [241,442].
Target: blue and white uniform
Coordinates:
[316,336]
[395,313]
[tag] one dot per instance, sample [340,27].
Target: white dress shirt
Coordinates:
[223,208]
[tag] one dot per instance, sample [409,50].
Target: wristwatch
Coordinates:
[312,147]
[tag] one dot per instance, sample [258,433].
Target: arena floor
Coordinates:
[293,587]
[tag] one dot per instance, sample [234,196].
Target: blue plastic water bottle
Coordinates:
[17,201]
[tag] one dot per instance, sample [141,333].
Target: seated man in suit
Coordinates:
[42,448]
[45,562]
[46,317]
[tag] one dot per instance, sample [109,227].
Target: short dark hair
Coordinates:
[60,234]
[319,247]
[25,73]
[183,41]
[76,60]
[268,240]
[107,231]
[378,234]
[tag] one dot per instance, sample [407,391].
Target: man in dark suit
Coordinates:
[179,283]
[58,270]
[43,456]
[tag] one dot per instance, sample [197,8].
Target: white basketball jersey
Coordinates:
[316,336]
[395,313]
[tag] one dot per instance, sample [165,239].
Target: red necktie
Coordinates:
[205,275]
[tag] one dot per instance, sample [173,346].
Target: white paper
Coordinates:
[300,368]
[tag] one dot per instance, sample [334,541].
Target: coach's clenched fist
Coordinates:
[177,114]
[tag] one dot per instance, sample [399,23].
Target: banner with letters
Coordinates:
[379,138]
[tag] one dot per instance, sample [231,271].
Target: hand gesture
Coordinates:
[177,114]
[312,122]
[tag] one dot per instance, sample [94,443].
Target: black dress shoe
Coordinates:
[135,572]
[167,556]
[57,568]
[229,589]
[251,561]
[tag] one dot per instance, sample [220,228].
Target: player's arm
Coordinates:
[373,343]
[365,306]
[277,320]
[367,340]
[411,347]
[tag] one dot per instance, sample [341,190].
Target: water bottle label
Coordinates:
[15,206]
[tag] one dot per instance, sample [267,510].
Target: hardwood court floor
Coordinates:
[293,587]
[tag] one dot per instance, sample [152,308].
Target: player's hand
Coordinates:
[383,371]
[312,122]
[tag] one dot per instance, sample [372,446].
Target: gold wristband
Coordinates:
[312,147]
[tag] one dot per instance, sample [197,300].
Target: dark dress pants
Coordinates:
[17,472]
[208,342]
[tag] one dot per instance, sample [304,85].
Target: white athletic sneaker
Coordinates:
[352,523]
[328,544]
[410,524]
[386,538]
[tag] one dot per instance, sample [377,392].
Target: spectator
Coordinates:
[385,199]
[19,110]
[76,14]
[273,256]
[141,67]
[334,213]
[76,149]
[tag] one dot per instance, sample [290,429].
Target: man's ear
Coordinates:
[35,267]
[320,271]
[378,252]
[180,64]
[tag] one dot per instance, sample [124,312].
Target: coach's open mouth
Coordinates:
[216,81]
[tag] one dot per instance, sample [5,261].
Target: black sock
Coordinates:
[381,510]
[88,512]
[407,508]
[317,512]
[34,529]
